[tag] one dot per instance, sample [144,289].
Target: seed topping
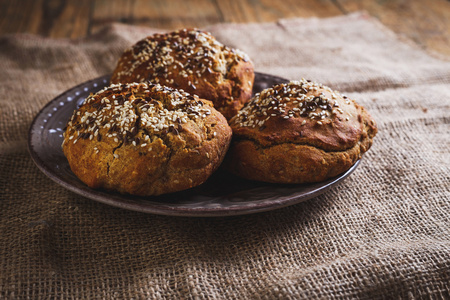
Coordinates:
[140,112]
[304,99]
[186,52]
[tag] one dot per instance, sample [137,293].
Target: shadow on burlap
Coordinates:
[383,233]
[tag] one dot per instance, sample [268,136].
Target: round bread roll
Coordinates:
[194,61]
[299,132]
[145,139]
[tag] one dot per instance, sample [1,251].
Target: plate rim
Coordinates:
[113,198]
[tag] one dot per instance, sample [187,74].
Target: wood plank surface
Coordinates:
[425,22]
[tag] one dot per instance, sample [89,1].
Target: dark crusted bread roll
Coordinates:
[145,139]
[297,133]
[194,61]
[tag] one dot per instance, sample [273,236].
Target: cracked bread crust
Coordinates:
[300,132]
[145,139]
[194,61]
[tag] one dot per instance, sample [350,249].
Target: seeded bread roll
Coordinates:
[300,132]
[145,139]
[194,61]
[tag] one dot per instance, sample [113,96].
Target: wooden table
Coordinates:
[426,22]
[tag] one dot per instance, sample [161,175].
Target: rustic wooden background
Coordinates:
[426,22]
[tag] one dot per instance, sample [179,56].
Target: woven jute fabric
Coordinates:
[384,232]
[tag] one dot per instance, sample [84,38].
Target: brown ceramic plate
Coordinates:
[222,195]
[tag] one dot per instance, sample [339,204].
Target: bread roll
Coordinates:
[299,132]
[194,61]
[145,139]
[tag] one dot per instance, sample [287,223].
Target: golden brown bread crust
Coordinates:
[297,133]
[194,61]
[145,139]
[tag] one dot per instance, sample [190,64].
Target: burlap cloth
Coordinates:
[383,233]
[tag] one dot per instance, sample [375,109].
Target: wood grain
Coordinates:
[160,14]
[425,22]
